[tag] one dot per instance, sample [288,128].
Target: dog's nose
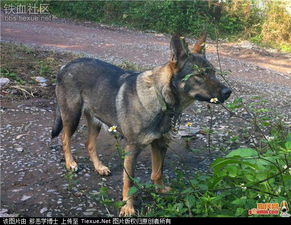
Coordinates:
[225,93]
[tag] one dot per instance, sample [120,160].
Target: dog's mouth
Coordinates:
[213,100]
[202,98]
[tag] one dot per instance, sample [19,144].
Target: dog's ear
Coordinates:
[179,53]
[199,46]
[179,49]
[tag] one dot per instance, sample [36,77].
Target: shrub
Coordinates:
[277,24]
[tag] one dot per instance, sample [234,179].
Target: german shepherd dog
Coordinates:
[141,105]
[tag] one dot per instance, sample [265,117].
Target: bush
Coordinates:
[162,16]
[239,181]
[187,17]
[240,18]
[277,25]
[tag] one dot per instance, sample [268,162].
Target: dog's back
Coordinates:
[88,72]
[87,84]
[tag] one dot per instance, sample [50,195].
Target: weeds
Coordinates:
[44,68]
[276,26]
[20,64]
[70,176]
[236,182]
[12,76]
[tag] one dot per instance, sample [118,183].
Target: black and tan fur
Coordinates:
[141,105]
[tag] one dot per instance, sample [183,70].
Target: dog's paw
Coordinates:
[103,171]
[72,166]
[127,210]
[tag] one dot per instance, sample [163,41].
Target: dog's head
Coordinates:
[194,74]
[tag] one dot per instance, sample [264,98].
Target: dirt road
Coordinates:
[33,179]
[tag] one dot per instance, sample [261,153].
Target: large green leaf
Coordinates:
[288,145]
[218,164]
[250,177]
[243,152]
[190,201]
[213,182]
[232,171]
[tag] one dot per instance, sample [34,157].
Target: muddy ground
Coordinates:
[34,181]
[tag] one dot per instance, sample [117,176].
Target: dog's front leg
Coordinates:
[131,152]
[159,149]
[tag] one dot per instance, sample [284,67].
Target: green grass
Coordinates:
[12,76]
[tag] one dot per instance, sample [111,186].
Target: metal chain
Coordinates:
[175,123]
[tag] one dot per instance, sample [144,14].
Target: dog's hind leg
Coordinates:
[66,138]
[71,111]
[93,132]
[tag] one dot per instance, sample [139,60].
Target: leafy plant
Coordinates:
[236,19]
[237,182]
[44,68]
[12,76]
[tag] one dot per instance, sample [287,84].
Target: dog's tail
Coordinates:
[58,124]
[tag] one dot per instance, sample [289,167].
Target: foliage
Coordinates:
[10,75]
[277,26]
[238,181]
[242,18]
[163,16]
